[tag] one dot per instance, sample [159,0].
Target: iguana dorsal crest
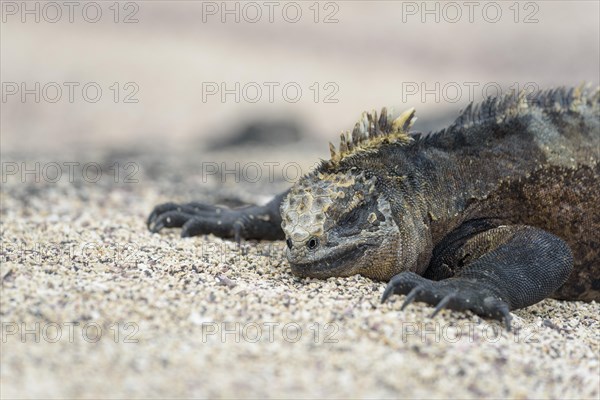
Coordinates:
[370,132]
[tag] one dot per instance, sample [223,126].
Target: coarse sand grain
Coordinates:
[93,305]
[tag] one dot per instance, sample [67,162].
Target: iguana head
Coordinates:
[337,220]
[338,225]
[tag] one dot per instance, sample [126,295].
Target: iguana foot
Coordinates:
[250,222]
[453,293]
[194,219]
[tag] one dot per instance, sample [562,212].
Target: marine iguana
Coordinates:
[494,213]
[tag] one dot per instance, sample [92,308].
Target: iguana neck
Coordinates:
[429,200]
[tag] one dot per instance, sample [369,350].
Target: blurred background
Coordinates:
[205,76]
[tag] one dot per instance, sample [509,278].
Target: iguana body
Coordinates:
[494,213]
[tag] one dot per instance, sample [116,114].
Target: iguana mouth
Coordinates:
[338,264]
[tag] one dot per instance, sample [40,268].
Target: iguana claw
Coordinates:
[411,297]
[442,304]
[260,222]
[454,293]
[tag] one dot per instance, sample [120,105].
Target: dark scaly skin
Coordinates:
[494,213]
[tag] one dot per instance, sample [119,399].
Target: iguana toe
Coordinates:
[456,294]
[158,211]
[170,219]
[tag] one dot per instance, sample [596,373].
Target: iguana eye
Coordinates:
[312,243]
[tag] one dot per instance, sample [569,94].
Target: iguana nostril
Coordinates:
[289,243]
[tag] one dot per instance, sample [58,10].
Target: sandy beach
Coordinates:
[95,306]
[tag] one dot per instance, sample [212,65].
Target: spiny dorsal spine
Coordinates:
[369,132]
[499,109]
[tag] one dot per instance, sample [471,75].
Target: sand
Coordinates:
[95,306]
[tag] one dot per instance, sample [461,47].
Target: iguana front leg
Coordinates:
[495,271]
[251,222]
